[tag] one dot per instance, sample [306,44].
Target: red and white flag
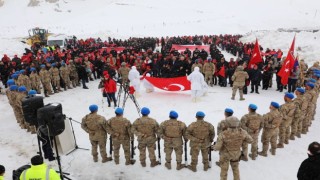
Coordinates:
[287,65]
[256,56]
[170,84]
[222,71]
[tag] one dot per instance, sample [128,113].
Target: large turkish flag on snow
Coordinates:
[170,84]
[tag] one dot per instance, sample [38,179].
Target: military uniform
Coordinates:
[120,130]
[272,121]
[95,126]
[35,82]
[172,131]
[300,113]
[200,134]
[12,95]
[74,78]
[196,65]
[229,146]
[208,69]
[239,78]
[252,123]
[65,75]
[287,111]
[146,129]
[24,80]
[124,72]
[55,77]
[45,80]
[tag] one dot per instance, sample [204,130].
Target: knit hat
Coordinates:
[253,106]
[200,114]
[314,148]
[275,104]
[289,95]
[173,114]
[119,111]
[93,108]
[145,111]
[36,160]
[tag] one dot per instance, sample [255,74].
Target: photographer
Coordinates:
[310,168]
[110,87]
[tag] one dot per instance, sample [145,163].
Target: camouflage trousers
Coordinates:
[208,77]
[102,147]
[254,145]
[225,160]
[56,83]
[66,81]
[284,131]
[151,146]
[116,148]
[195,150]
[36,86]
[47,87]
[74,79]
[308,118]
[234,91]
[269,136]
[176,145]
[295,125]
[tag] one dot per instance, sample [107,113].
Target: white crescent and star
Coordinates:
[178,85]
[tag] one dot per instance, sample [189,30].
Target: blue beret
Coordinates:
[62,64]
[200,114]
[173,114]
[22,71]
[310,84]
[275,104]
[17,72]
[253,106]
[53,64]
[317,75]
[301,90]
[145,111]
[228,110]
[32,69]
[22,89]
[10,82]
[13,88]
[289,95]
[93,108]
[119,111]
[312,80]
[32,92]
[14,76]
[42,66]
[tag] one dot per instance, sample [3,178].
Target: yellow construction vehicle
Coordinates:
[37,36]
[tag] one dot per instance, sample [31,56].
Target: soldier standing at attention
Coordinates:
[239,80]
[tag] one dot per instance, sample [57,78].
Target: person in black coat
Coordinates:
[310,167]
[82,73]
[255,78]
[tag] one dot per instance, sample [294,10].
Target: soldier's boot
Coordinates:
[143,163]
[192,168]
[244,158]
[253,156]
[95,158]
[273,152]
[106,159]
[116,160]
[232,98]
[280,145]
[33,130]
[206,166]
[286,141]
[263,153]
[154,163]
[180,166]
[292,137]
[131,161]
[168,165]
[242,99]
[218,163]
[298,135]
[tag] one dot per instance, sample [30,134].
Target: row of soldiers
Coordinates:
[281,124]
[49,76]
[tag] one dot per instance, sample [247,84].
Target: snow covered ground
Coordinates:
[124,18]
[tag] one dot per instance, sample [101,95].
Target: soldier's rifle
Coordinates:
[209,152]
[185,153]
[159,154]
[132,152]
[111,146]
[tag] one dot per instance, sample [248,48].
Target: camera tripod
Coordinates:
[124,88]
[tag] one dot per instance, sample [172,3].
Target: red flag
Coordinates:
[170,84]
[222,72]
[256,55]
[287,65]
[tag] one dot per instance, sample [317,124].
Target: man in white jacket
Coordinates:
[198,84]
[134,77]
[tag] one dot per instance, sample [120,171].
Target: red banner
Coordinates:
[170,84]
[256,56]
[191,47]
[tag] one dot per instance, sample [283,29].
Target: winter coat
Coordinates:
[255,76]
[310,168]
[110,86]
[134,76]
[196,79]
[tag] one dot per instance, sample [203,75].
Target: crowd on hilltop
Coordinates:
[90,57]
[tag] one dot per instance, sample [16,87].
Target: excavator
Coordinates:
[37,36]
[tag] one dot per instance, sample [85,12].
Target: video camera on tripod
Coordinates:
[128,92]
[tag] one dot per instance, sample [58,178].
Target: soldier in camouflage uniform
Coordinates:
[252,123]
[196,64]
[65,75]
[239,80]
[287,111]
[22,93]
[24,80]
[74,78]
[172,131]
[271,124]
[123,72]
[95,126]
[35,80]
[146,129]
[209,69]
[229,146]
[309,96]
[222,125]
[300,113]
[45,80]
[120,130]
[201,134]
[55,77]
[11,95]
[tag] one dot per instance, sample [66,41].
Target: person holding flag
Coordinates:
[294,76]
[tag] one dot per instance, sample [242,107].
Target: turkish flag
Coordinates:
[287,65]
[170,84]
[222,72]
[256,55]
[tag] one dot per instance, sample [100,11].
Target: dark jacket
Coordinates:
[255,76]
[310,168]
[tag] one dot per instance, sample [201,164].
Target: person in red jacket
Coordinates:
[110,87]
